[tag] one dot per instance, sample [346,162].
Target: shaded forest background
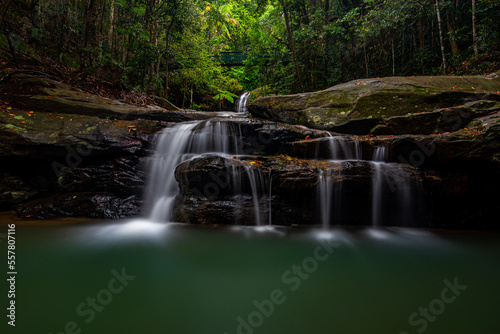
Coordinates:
[166,47]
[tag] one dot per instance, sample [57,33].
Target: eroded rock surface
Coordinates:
[357,107]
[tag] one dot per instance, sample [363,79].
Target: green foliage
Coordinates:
[165,47]
[225,95]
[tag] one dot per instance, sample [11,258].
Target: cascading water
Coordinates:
[377,182]
[325,193]
[380,154]
[162,188]
[270,199]
[343,148]
[186,141]
[393,188]
[257,185]
[391,178]
[176,145]
[242,103]
[394,193]
[329,191]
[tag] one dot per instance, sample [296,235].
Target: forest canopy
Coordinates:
[167,47]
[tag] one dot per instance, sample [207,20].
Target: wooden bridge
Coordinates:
[231,58]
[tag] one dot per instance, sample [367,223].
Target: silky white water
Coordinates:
[179,144]
[242,103]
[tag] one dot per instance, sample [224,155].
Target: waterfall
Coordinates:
[162,187]
[394,193]
[330,197]
[242,103]
[182,142]
[377,193]
[270,199]
[325,197]
[380,154]
[394,187]
[257,186]
[178,144]
[343,148]
[329,191]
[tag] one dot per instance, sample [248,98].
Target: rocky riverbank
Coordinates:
[70,153]
[387,106]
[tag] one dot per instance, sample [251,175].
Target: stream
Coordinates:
[152,275]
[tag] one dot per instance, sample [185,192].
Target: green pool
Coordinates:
[136,276]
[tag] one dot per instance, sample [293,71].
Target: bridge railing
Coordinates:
[231,58]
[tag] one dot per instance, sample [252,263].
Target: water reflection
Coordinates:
[127,230]
[149,230]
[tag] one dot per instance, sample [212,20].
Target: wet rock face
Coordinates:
[71,148]
[47,155]
[360,106]
[92,205]
[281,190]
[96,187]
[123,176]
[458,171]
[257,137]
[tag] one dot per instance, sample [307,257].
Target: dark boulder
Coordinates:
[281,190]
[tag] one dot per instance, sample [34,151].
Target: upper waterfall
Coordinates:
[242,103]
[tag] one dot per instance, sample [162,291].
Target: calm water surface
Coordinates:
[135,276]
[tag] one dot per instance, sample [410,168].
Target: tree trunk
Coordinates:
[128,45]
[88,29]
[366,58]
[450,20]
[326,43]
[111,25]
[167,59]
[432,35]
[11,44]
[312,69]
[438,14]
[62,31]
[154,41]
[393,58]
[403,45]
[292,45]
[89,34]
[100,15]
[415,43]
[421,27]
[474,29]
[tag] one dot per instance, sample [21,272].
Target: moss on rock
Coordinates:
[374,99]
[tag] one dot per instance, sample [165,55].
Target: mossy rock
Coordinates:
[47,95]
[346,108]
